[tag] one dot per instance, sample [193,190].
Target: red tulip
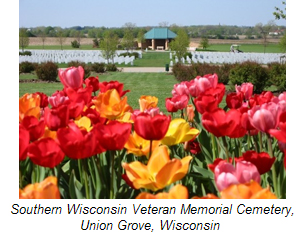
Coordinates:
[220,123]
[24,139]
[104,86]
[93,82]
[34,126]
[151,128]
[259,99]
[280,133]
[45,152]
[43,99]
[94,116]
[81,94]
[57,117]
[176,103]
[234,100]
[76,143]
[72,77]
[262,160]
[113,135]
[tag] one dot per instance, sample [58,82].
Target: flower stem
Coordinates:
[150,149]
[213,146]
[112,174]
[84,162]
[274,178]
[226,147]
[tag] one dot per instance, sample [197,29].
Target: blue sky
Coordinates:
[115,13]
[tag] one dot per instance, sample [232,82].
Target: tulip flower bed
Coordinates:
[86,141]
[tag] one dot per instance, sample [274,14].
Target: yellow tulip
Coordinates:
[139,146]
[179,131]
[110,105]
[84,123]
[147,102]
[177,192]
[159,172]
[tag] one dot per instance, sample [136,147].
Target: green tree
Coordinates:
[264,31]
[23,38]
[141,37]
[60,38]
[108,45]
[281,14]
[180,44]
[128,38]
[43,37]
[204,42]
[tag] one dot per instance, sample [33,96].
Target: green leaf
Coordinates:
[75,187]
[204,172]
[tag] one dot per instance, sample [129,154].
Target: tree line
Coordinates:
[193,31]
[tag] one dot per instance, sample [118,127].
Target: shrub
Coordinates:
[25,53]
[27,67]
[277,75]
[187,54]
[75,44]
[183,73]
[86,67]
[95,43]
[223,72]
[98,67]
[130,54]
[47,71]
[250,72]
[111,67]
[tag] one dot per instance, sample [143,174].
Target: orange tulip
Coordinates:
[190,112]
[177,192]
[110,105]
[46,189]
[139,146]
[251,190]
[29,105]
[147,102]
[159,172]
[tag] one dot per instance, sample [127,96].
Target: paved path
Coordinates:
[145,69]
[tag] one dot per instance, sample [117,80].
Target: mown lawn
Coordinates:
[154,84]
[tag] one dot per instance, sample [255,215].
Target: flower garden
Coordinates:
[86,141]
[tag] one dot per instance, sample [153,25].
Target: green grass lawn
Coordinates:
[270,48]
[154,84]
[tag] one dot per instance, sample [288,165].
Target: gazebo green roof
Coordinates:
[160,33]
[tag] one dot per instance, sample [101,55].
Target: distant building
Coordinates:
[159,38]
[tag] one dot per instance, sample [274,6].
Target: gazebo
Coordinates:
[159,38]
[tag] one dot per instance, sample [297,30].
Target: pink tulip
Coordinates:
[246,89]
[264,117]
[181,89]
[202,84]
[246,171]
[225,175]
[72,77]
[58,98]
